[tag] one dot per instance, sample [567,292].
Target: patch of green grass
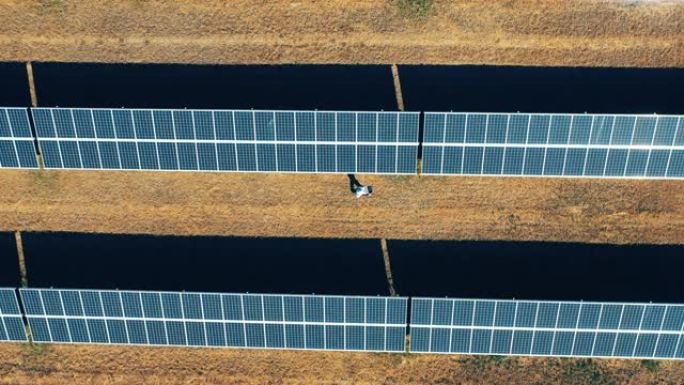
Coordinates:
[483,362]
[587,371]
[32,349]
[498,360]
[33,360]
[403,178]
[415,8]
[650,365]
[49,6]
[44,178]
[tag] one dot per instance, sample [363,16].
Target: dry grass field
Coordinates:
[586,210]
[503,32]
[527,32]
[110,365]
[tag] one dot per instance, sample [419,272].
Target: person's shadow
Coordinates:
[353,183]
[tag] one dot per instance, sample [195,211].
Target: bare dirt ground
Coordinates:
[321,206]
[109,365]
[527,32]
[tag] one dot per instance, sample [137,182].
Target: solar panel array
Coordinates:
[11,323]
[517,144]
[17,148]
[217,320]
[576,145]
[545,328]
[228,140]
[351,323]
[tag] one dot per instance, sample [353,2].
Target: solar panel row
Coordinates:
[228,140]
[203,319]
[577,145]
[438,325]
[547,328]
[11,324]
[17,149]
[549,145]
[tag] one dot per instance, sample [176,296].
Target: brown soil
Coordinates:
[108,365]
[528,32]
[321,206]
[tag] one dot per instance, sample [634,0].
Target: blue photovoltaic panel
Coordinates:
[554,145]
[17,148]
[228,140]
[11,324]
[217,320]
[547,328]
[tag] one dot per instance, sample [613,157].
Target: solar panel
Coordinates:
[547,328]
[554,145]
[17,148]
[228,140]
[217,320]
[11,324]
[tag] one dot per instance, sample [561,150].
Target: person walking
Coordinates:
[357,188]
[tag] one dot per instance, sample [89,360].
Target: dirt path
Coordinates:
[527,32]
[321,206]
[96,365]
